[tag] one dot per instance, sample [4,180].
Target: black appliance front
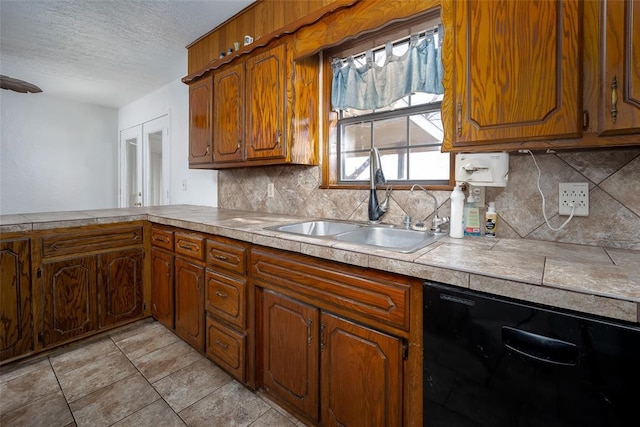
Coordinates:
[493,362]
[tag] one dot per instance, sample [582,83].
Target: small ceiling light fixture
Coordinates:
[16,85]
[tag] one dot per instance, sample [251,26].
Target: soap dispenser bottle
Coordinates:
[456,226]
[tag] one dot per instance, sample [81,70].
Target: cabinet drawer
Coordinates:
[369,296]
[81,242]
[227,254]
[162,238]
[224,297]
[226,347]
[189,244]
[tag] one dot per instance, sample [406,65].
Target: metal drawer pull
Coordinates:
[188,248]
[161,239]
[614,99]
[221,257]
[221,344]
[222,295]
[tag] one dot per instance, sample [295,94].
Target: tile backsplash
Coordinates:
[614,197]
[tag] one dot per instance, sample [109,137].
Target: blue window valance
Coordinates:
[373,86]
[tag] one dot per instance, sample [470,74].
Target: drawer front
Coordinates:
[84,241]
[225,298]
[226,347]
[162,238]
[190,245]
[227,254]
[369,296]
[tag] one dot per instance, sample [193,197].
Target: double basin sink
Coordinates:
[380,236]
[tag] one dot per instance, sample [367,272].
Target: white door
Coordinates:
[144,164]
[131,167]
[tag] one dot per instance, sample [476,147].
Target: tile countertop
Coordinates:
[601,281]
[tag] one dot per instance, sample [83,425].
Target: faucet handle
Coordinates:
[407,222]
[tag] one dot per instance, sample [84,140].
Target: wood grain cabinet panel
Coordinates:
[16,327]
[361,379]
[620,106]
[189,302]
[200,123]
[512,72]
[190,245]
[162,300]
[290,352]
[162,237]
[120,286]
[70,301]
[228,114]
[225,298]
[226,347]
[223,254]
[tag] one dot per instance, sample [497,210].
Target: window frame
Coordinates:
[330,157]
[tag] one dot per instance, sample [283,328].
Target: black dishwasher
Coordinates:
[493,361]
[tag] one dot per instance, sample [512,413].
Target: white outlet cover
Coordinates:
[573,193]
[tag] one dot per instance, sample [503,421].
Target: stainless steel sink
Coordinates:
[317,228]
[397,239]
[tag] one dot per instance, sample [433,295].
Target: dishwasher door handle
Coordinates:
[540,348]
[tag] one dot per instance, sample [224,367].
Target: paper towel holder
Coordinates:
[482,169]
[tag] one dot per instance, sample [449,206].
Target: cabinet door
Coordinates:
[189,302]
[226,347]
[512,71]
[266,104]
[16,329]
[290,352]
[361,375]
[200,119]
[162,286]
[621,76]
[70,301]
[228,107]
[120,288]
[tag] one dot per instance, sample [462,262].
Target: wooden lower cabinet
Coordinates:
[16,327]
[290,349]
[189,302]
[162,269]
[70,300]
[361,375]
[120,287]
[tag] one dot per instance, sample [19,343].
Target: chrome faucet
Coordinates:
[376,210]
[437,221]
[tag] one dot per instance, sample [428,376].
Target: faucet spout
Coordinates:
[437,221]
[376,209]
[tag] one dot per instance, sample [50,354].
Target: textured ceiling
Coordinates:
[104,52]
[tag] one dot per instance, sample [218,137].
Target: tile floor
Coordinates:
[140,375]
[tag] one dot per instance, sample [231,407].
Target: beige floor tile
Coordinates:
[114,402]
[14,370]
[51,411]
[167,360]
[191,383]
[79,355]
[157,414]
[231,405]
[148,338]
[273,418]
[94,374]
[29,387]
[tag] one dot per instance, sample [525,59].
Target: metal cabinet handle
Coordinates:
[161,239]
[459,119]
[221,257]
[222,295]
[309,337]
[222,344]
[187,247]
[614,99]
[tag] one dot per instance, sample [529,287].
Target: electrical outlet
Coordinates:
[478,195]
[270,190]
[574,194]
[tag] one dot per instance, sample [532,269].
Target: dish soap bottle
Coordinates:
[456,226]
[490,221]
[471,218]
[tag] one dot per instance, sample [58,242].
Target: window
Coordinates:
[408,133]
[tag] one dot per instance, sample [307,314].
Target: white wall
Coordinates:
[174,100]
[56,155]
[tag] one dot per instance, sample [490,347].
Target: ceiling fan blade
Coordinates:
[18,85]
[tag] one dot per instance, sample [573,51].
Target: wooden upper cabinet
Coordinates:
[620,106]
[228,117]
[200,122]
[266,104]
[512,72]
